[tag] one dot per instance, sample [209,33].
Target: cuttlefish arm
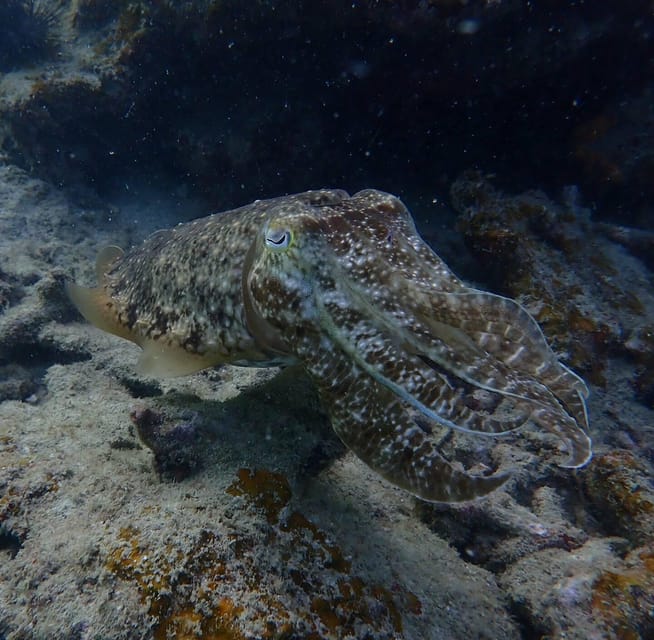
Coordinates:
[428,352]
[380,428]
[505,330]
[356,364]
[492,343]
[468,337]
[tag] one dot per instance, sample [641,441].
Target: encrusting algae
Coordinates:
[305,585]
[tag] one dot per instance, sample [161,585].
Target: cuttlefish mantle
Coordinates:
[396,344]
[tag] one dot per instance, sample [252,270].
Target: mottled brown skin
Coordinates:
[395,343]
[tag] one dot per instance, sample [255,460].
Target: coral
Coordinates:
[26,30]
[293,583]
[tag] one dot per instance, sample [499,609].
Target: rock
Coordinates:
[553,591]
[586,293]
[618,486]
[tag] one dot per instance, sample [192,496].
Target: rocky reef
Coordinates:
[209,95]
[222,505]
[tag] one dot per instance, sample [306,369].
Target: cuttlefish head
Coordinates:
[399,348]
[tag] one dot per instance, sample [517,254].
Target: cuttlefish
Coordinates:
[398,347]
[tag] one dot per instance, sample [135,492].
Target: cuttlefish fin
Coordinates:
[99,309]
[164,360]
[95,304]
[380,429]
[159,359]
[106,258]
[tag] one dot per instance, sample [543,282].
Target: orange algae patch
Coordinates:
[338,613]
[188,624]
[267,490]
[276,577]
[174,613]
[334,558]
[624,599]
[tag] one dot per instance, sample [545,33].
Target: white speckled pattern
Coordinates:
[346,286]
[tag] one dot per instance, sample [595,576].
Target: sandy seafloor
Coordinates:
[272,530]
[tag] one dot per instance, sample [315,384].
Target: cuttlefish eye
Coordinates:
[278,238]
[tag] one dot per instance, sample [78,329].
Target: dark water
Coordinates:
[230,102]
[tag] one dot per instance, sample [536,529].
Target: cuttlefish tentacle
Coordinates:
[504,329]
[431,390]
[440,330]
[395,342]
[437,391]
[482,370]
[536,378]
[378,427]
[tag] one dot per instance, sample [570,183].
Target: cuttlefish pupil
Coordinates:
[278,239]
[398,347]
